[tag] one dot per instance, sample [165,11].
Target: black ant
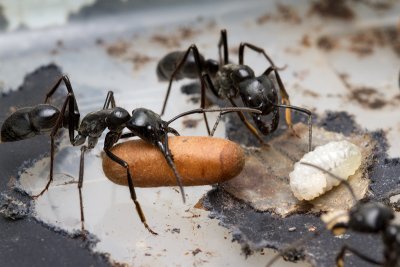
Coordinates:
[144,123]
[228,80]
[366,217]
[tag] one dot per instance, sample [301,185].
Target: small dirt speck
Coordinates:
[326,43]
[336,9]
[196,251]
[117,49]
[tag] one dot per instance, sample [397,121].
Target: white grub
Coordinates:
[341,158]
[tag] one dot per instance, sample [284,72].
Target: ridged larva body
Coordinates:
[341,158]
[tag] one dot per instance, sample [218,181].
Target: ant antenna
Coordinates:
[302,110]
[202,110]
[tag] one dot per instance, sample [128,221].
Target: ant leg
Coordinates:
[252,129]
[257,49]
[131,187]
[223,41]
[170,160]
[80,185]
[54,131]
[196,55]
[284,96]
[340,256]
[73,110]
[109,100]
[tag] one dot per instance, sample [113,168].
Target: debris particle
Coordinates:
[191,88]
[310,93]
[187,33]
[263,19]
[166,41]
[367,97]
[12,208]
[190,123]
[336,9]
[311,228]
[99,41]
[292,229]
[285,13]
[364,42]
[176,230]
[196,251]
[117,49]
[326,43]
[305,41]
[288,13]
[139,60]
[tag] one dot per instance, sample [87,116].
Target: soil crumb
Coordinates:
[336,9]
[283,13]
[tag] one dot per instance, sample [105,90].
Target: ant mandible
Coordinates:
[144,123]
[228,80]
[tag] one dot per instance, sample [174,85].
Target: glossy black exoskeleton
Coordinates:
[167,65]
[43,119]
[232,81]
[144,123]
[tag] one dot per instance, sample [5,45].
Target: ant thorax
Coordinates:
[229,77]
[93,124]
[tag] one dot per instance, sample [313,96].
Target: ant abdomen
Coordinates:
[29,122]
[167,65]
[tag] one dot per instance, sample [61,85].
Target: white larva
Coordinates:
[342,158]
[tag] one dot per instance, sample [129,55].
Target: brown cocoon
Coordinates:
[199,161]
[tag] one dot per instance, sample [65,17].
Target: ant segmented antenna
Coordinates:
[309,122]
[225,110]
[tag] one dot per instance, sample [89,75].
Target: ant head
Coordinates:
[145,123]
[212,67]
[370,217]
[241,73]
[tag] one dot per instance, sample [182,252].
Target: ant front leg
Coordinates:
[80,185]
[223,42]
[196,55]
[249,126]
[284,97]
[170,160]
[340,256]
[107,145]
